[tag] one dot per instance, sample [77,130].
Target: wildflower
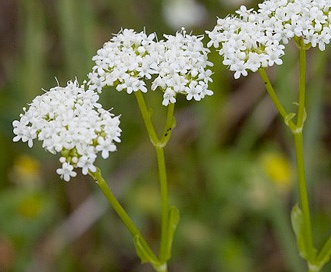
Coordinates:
[251,39]
[68,120]
[248,42]
[175,65]
[125,61]
[306,19]
[183,68]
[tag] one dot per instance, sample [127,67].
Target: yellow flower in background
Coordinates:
[279,169]
[26,171]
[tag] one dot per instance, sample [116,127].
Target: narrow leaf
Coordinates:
[143,251]
[298,227]
[172,226]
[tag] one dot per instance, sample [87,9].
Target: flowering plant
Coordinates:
[70,121]
[255,40]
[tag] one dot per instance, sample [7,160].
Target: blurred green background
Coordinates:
[230,160]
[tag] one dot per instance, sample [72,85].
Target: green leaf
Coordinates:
[172,226]
[298,227]
[144,252]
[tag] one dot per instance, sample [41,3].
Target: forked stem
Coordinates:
[159,144]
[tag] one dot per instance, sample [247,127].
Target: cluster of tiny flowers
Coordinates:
[247,42]
[306,19]
[254,39]
[68,120]
[176,65]
[183,68]
[125,61]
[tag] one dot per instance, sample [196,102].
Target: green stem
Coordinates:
[299,149]
[159,145]
[169,125]
[297,131]
[276,100]
[302,90]
[164,202]
[304,201]
[120,210]
[147,118]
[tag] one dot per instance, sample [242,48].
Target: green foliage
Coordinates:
[226,223]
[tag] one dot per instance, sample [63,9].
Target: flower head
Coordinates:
[306,19]
[183,68]
[68,120]
[175,65]
[248,42]
[125,61]
[251,40]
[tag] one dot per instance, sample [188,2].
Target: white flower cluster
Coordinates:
[246,42]
[309,19]
[176,65]
[254,39]
[69,120]
[183,68]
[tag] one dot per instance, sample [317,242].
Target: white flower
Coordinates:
[105,146]
[131,59]
[86,163]
[68,120]
[254,39]
[248,42]
[66,172]
[168,97]
[183,67]
[306,19]
[124,61]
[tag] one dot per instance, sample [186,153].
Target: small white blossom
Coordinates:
[66,172]
[105,146]
[68,120]
[131,59]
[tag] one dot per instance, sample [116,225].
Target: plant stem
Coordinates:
[303,194]
[159,145]
[276,100]
[119,209]
[164,202]
[169,125]
[147,118]
[297,131]
[299,150]
[302,90]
